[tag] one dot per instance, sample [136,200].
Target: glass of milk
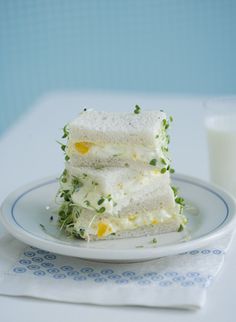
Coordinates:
[221,135]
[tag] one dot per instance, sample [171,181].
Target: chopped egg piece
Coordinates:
[134,155]
[102,228]
[154,222]
[83,147]
[132,217]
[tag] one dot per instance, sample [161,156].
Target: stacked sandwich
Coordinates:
[116,181]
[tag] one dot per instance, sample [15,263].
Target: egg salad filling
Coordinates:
[86,223]
[139,153]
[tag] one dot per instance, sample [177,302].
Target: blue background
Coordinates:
[161,46]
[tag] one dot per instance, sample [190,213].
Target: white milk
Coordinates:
[221,133]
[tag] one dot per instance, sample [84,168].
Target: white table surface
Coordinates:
[29,152]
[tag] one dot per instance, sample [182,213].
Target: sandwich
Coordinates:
[109,195]
[117,203]
[103,139]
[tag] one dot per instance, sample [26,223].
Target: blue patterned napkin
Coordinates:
[175,281]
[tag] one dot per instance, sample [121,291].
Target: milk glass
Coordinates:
[221,134]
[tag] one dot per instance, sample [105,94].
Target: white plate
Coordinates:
[26,215]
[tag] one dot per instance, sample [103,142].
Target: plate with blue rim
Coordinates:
[30,215]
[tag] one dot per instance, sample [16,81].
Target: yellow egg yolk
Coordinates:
[102,228]
[132,217]
[83,147]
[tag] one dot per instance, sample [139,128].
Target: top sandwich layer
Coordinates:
[102,139]
[117,128]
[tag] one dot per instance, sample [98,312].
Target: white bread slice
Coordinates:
[117,128]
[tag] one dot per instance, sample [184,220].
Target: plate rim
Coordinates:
[135,254]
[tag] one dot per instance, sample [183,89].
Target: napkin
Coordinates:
[178,281]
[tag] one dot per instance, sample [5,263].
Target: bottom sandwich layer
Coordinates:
[91,226]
